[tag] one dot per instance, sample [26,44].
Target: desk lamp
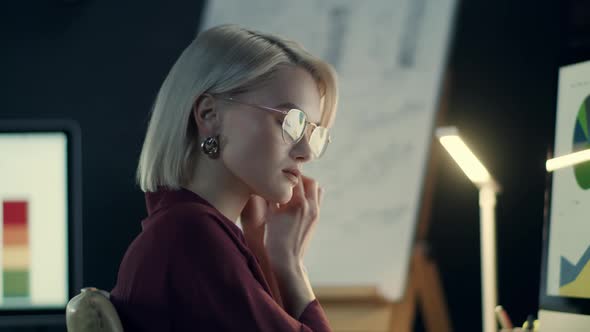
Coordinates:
[488,189]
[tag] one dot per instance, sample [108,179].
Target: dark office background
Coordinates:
[101,63]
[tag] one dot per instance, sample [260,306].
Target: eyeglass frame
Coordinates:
[266,108]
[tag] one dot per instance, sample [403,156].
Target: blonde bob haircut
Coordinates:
[223,60]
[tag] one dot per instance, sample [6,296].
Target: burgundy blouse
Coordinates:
[190,270]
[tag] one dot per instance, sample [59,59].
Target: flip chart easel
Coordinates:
[363,309]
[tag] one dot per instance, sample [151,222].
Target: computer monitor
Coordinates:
[40,220]
[565,276]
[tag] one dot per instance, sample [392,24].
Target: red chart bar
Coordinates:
[15,212]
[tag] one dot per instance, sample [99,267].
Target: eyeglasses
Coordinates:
[294,126]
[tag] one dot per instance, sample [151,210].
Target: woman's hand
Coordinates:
[291,225]
[288,230]
[292,230]
[279,236]
[253,222]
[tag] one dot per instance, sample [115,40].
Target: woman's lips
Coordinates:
[292,177]
[294,171]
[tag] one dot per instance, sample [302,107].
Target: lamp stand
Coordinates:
[489,287]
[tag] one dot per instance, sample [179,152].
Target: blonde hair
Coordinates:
[225,59]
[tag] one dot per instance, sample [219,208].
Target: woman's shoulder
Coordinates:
[195,222]
[185,211]
[182,215]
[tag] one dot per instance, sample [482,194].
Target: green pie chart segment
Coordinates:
[582,142]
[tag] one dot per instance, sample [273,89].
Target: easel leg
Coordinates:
[430,294]
[404,312]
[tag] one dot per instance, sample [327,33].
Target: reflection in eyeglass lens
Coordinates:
[294,125]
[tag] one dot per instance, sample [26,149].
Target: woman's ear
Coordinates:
[205,115]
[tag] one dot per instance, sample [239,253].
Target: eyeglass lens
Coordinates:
[294,129]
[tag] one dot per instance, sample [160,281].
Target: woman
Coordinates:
[237,117]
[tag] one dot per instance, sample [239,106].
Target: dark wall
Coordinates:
[101,63]
[503,97]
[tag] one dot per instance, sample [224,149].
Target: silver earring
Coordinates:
[210,147]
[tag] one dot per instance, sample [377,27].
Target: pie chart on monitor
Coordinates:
[582,142]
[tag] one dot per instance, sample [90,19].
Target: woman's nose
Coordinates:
[302,150]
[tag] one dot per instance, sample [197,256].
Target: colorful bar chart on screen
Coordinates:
[15,250]
[34,215]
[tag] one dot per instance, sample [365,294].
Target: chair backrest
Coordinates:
[92,311]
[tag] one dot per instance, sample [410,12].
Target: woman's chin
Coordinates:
[280,194]
[283,196]
[285,200]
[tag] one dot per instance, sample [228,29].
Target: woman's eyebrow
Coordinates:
[289,105]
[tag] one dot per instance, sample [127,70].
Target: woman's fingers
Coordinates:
[292,225]
[299,192]
[311,190]
[312,196]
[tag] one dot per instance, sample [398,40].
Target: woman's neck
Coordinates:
[218,186]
